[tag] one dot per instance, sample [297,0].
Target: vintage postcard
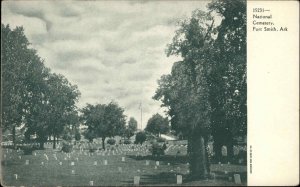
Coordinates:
[149,93]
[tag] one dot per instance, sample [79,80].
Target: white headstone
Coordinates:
[136,180]
[20,157]
[72,163]
[123,159]
[42,163]
[147,162]
[105,162]
[95,163]
[119,169]
[138,171]
[27,162]
[34,154]
[157,163]
[155,167]
[237,179]
[213,175]
[226,172]
[73,172]
[168,164]
[91,183]
[60,163]
[179,179]
[16,176]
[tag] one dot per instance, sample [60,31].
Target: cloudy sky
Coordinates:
[111,50]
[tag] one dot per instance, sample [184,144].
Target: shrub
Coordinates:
[111,141]
[27,149]
[157,149]
[140,138]
[67,147]
[127,141]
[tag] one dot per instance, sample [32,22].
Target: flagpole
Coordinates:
[141,115]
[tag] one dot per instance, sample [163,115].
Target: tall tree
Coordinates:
[157,125]
[22,77]
[203,92]
[104,120]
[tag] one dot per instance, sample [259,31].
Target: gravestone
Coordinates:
[20,157]
[42,163]
[95,163]
[34,154]
[136,180]
[123,159]
[138,171]
[73,171]
[91,183]
[16,176]
[155,167]
[72,163]
[237,179]
[226,172]
[27,162]
[105,162]
[147,162]
[179,179]
[157,163]
[213,175]
[119,169]
[60,163]
[168,164]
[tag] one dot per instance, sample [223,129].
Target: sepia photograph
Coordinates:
[124,93]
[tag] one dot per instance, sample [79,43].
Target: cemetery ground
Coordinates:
[118,165]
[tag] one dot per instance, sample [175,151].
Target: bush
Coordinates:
[27,149]
[127,141]
[157,149]
[140,138]
[66,147]
[111,141]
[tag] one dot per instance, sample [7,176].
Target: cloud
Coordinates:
[113,50]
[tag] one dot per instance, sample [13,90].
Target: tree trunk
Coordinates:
[229,146]
[42,145]
[54,142]
[198,157]
[218,151]
[14,136]
[207,155]
[103,143]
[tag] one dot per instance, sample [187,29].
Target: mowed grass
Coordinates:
[51,173]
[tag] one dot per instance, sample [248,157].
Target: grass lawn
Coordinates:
[57,169]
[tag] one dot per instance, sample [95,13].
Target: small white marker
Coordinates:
[179,179]
[136,180]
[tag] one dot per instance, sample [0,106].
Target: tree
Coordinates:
[157,125]
[104,120]
[140,138]
[131,128]
[202,92]
[61,98]
[22,69]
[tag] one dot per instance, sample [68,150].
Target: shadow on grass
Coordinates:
[181,159]
[170,179]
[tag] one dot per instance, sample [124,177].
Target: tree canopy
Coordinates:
[206,91]
[103,120]
[157,125]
